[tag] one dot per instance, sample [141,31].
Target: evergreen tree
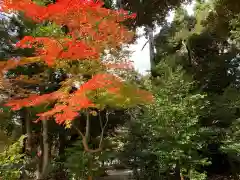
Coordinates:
[166,137]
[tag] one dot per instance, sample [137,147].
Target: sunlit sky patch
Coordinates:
[141,57]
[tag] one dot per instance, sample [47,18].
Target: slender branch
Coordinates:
[101,137]
[84,137]
[145,44]
[85,144]
[79,132]
[189,52]
[100,120]
[87,132]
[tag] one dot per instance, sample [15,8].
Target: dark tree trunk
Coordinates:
[27,130]
[42,167]
[45,148]
[178,172]
[151,47]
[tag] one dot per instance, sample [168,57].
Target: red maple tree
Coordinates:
[92,29]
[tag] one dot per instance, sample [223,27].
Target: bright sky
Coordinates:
[141,57]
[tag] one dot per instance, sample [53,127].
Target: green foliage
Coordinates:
[13,28]
[6,123]
[235,30]
[49,30]
[108,4]
[209,52]
[230,103]
[80,164]
[168,133]
[77,161]
[11,161]
[194,175]
[151,11]
[231,144]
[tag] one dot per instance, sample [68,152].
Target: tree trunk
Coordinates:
[87,136]
[90,177]
[45,148]
[62,145]
[119,4]
[42,168]
[26,129]
[28,132]
[39,161]
[178,172]
[23,121]
[151,46]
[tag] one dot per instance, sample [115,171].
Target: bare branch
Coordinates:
[85,144]
[144,45]
[87,132]
[101,136]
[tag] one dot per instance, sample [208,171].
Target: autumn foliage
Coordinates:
[92,29]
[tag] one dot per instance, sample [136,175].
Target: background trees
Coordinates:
[166,137]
